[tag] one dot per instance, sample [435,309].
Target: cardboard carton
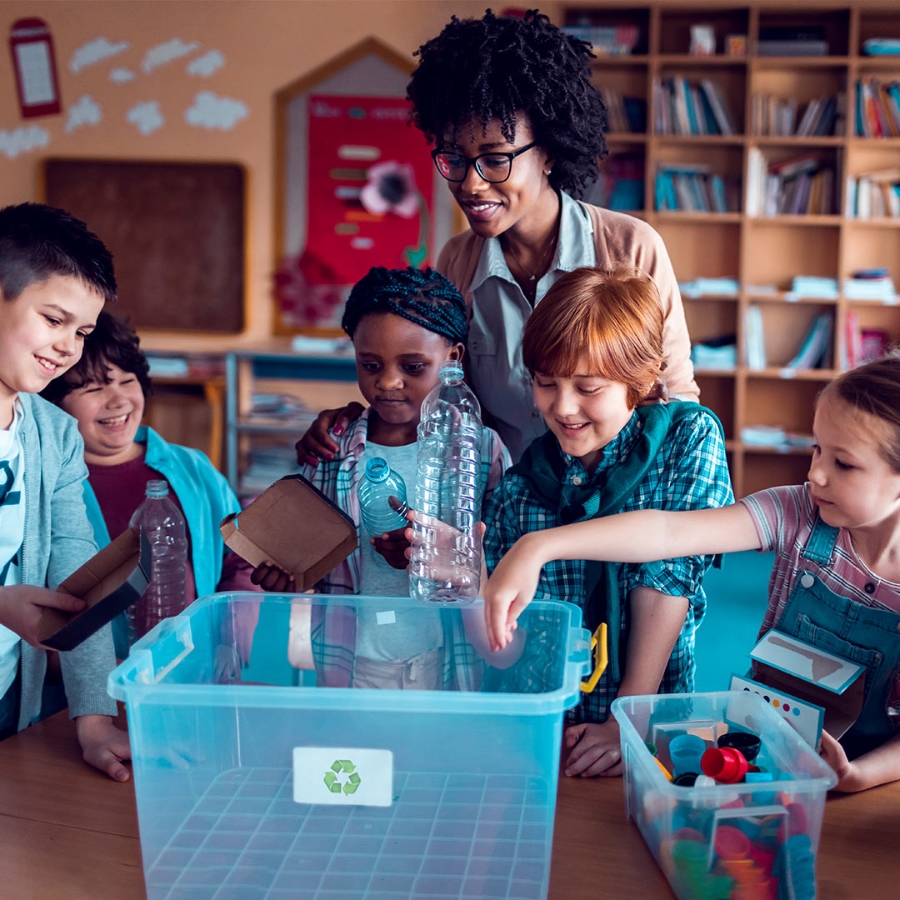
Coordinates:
[108,582]
[294,525]
[813,676]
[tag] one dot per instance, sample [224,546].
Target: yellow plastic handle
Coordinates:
[598,645]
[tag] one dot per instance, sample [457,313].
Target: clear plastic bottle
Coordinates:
[378,484]
[445,566]
[164,527]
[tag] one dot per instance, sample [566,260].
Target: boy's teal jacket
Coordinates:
[205,497]
[57,541]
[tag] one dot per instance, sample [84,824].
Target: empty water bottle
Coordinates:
[379,483]
[164,527]
[445,566]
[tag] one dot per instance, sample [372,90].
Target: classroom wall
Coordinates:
[120,54]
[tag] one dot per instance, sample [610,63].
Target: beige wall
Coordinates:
[266,44]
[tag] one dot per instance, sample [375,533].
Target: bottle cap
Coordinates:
[157,487]
[748,744]
[725,764]
[377,469]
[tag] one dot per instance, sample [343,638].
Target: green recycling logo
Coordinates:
[333,782]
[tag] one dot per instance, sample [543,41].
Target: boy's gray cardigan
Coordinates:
[58,539]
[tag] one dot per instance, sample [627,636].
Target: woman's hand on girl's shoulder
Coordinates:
[317,443]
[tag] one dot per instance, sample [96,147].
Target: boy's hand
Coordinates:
[21,604]
[273,578]
[103,745]
[834,754]
[596,749]
[509,590]
[392,545]
[317,444]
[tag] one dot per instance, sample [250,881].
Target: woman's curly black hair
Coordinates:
[476,70]
[421,296]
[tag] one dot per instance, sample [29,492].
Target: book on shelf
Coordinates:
[772,116]
[870,284]
[607,40]
[877,108]
[702,287]
[817,286]
[774,436]
[754,339]
[685,108]
[620,184]
[883,46]
[802,185]
[624,115]
[693,188]
[874,195]
[791,40]
[814,349]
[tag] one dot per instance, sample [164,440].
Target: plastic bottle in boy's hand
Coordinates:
[379,483]
[445,565]
[164,527]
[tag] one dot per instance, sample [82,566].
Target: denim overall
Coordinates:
[851,630]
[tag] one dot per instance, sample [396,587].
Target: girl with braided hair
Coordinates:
[517,129]
[404,323]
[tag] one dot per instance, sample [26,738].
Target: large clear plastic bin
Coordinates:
[265,781]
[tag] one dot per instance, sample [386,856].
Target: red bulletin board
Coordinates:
[370,189]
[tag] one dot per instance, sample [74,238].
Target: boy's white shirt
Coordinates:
[12,532]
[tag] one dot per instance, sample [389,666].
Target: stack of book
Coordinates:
[776,117]
[803,185]
[684,108]
[705,287]
[877,108]
[620,185]
[624,115]
[817,286]
[792,40]
[874,195]
[607,40]
[694,188]
[870,284]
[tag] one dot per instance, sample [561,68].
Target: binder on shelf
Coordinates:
[815,344]
[754,339]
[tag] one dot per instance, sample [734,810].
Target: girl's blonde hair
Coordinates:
[605,322]
[874,389]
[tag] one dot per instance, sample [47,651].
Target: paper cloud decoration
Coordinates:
[95,51]
[121,75]
[207,64]
[165,53]
[146,116]
[85,112]
[21,140]
[211,111]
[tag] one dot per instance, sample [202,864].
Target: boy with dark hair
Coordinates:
[55,277]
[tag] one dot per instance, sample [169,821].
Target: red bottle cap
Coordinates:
[725,764]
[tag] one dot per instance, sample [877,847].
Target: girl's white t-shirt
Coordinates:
[12,531]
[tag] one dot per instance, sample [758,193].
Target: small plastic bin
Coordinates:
[267,780]
[753,840]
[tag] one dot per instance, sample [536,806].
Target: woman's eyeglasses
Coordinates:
[492,167]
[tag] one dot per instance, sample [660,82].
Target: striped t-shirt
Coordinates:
[784,518]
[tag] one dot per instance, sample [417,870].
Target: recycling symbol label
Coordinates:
[338,785]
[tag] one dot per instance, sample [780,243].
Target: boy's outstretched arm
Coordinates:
[642,536]
[878,766]
[656,622]
[21,604]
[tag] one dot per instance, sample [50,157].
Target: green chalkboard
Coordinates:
[176,232]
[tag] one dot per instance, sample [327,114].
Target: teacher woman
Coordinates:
[517,128]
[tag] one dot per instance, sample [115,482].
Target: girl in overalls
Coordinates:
[836,579]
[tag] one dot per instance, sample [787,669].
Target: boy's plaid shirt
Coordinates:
[690,472]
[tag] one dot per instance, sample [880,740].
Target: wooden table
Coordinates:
[69,833]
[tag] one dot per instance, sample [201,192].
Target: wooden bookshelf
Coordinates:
[762,250]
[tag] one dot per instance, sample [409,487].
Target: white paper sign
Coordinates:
[343,776]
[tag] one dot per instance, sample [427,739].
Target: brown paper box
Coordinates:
[108,582]
[294,525]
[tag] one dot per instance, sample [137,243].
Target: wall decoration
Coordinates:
[165,53]
[34,63]
[146,116]
[121,75]
[94,51]
[211,111]
[85,112]
[370,184]
[205,65]
[21,140]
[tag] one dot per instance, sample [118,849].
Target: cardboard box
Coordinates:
[294,525]
[108,582]
[814,676]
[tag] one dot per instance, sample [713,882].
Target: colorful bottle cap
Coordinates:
[726,765]
[651,747]
[731,843]
[685,751]
[748,744]
[685,779]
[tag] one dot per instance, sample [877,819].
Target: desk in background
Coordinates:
[69,833]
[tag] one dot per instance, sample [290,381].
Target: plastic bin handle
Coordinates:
[598,645]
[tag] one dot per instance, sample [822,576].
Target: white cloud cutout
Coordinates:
[165,53]
[207,64]
[94,51]
[121,75]
[146,117]
[210,111]
[21,140]
[85,112]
